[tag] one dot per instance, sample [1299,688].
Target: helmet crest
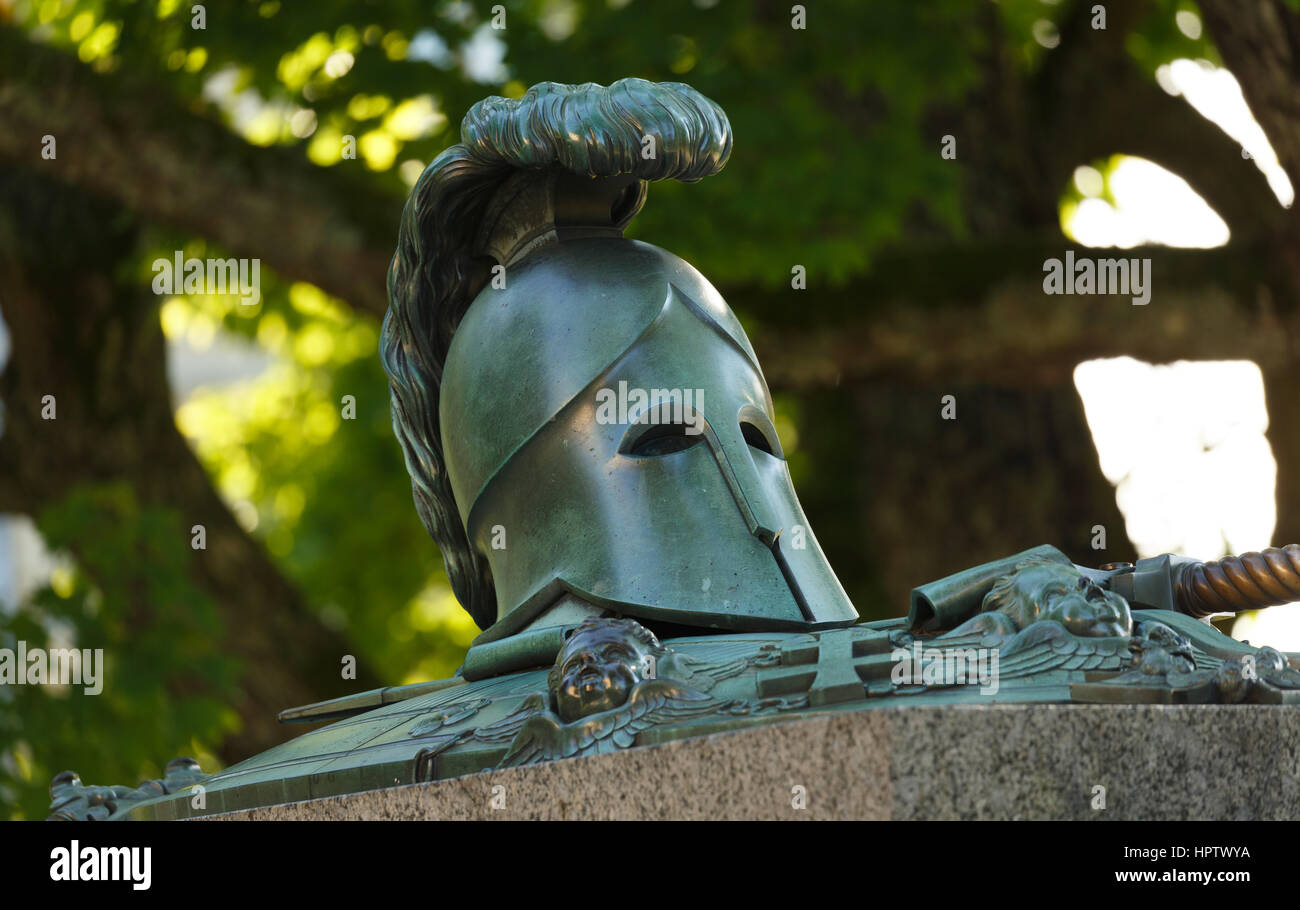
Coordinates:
[450,236]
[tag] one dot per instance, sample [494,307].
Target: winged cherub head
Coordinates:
[1042,590]
[600,664]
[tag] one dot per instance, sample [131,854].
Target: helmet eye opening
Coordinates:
[756,438]
[663,439]
[758,432]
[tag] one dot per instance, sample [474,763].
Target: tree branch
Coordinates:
[126,140]
[979,314]
[1260,43]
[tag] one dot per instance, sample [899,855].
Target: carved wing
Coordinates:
[542,737]
[1047,645]
[662,701]
[1282,678]
[508,727]
[986,630]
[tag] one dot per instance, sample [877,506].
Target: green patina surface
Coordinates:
[592,445]
[728,682]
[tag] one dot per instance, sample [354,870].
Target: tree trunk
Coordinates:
[93,341]
[931,496]
[1282,394]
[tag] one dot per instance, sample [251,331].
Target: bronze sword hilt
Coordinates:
[1233,584]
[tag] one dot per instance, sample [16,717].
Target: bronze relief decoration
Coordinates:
[592,401]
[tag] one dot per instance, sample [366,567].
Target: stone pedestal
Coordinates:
[970,762]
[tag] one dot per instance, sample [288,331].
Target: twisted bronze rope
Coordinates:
[1237,583]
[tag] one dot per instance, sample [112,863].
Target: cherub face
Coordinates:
[597,670]
[1064,594]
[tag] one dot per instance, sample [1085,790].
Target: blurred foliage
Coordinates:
[811,109]
[398,76]
[131,595]
[305,455]
[832,158]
